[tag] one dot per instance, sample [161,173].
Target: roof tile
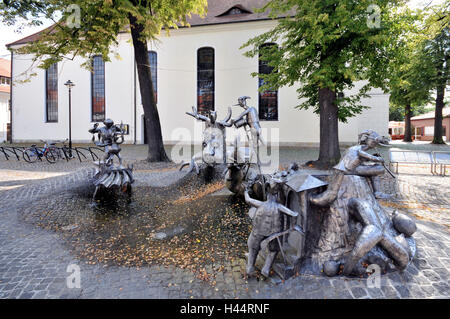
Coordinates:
[430,115]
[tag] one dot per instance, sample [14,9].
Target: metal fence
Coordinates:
[435,159]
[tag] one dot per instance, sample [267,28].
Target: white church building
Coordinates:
[200,66]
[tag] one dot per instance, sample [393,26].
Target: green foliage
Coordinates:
[397,112]
[418,64]
[101,21]
[436,47]
[329,44]
[410,72]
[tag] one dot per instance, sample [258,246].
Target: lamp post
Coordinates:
[70,85]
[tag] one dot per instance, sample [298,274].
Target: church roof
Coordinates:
[32,37]
[230,11]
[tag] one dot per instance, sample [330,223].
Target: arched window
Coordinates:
[153,61]
[205,80]
[98,88]
[51,93]
[268,100]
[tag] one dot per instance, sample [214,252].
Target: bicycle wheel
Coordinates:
[30,155]
[51,156]
[57,152]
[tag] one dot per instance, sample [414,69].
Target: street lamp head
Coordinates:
[69,84]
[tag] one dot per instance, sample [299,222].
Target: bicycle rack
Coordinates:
[79,152]
[17,152]
[13,150]
[93,154]
[2,149]
[64,149]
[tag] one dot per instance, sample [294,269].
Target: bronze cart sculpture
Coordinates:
[242,163]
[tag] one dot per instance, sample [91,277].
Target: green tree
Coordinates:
[97,31]
[396,113]
[410,74]
[327,46]
[437,49]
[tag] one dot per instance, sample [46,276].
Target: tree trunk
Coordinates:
[329,141]
[156,152]
[438,129]
[407,136]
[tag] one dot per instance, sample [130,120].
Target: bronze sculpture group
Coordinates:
[345,225]
[357,167]
[110,177]
[313,222]
[267,232]
[243,167]
[301,222]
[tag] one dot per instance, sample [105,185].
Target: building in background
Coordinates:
[202,65]
[5,97]
[396,130]
[424,125]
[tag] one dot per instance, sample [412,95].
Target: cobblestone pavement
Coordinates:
[33,261]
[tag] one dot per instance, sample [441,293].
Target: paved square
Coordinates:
[34,261]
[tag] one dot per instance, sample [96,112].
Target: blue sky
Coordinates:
[9,34]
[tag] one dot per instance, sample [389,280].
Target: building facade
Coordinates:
[396,130]
[5,92]
[200,66]
[423,125]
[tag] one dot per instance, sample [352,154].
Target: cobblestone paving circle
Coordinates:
[34,262]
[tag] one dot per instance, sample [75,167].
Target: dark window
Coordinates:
[98,88]
[205,80]
[235,11]
[268,100]
[153,61]
[51,93]
[5,80]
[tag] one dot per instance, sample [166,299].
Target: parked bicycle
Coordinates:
[64,152]
[49,151]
